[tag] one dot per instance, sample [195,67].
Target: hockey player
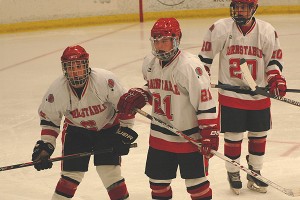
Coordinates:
[178,88]
[243,36]
[87,98]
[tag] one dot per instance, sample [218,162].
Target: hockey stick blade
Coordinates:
[66,157]
[290,192]
[250,81]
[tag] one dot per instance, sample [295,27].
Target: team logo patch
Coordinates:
[199,71]
[111,83]
[50,98]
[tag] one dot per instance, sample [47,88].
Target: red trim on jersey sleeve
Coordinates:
[49,132]
[175,147]
[244,104]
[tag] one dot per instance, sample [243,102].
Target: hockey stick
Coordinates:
[290,192]
[253,86]
[66,157]
[235,87]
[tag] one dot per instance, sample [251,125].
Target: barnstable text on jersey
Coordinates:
[91,110]
[244,50]
[163,84]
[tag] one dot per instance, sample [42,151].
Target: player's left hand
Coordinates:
[123,138]
[209,141]
[277,85]
[127,135]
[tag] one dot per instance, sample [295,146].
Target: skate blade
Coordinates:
[236,191]
[252,186]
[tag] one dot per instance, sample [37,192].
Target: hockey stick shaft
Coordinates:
[235,87]
[289,192]
[249,79]
[66,157]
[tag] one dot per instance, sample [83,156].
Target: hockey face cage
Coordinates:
[165,28]
[75,65]
[242,11]
[79,69]
[162,55]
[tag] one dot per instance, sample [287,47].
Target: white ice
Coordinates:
[30,61]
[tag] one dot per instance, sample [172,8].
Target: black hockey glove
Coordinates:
[128,136]
[41,153]
[124,137]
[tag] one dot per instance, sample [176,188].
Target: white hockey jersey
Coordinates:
[259,46]
[94,110]
[181,98]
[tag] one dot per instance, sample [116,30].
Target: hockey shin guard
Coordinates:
[200,191]
[118,190]
[161,191]
[232,149]
[66,187]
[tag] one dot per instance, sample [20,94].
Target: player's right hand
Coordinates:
[134,98]
[41,154]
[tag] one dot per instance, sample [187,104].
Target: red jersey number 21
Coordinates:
[162,106]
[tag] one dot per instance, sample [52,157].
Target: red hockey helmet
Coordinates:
[165,28]
[242,11]
[75,65]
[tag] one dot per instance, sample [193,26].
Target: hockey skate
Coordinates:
[235,182]
[253,183]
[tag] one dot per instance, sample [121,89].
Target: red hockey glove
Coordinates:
[134,98]
[209,140]
[277,85]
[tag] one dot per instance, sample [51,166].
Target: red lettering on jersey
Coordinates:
[85,112]
[91,110]
[244,50]
[164,85]
[205,95]
[206,46]
[277,54]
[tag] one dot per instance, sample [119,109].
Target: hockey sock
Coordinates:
[161,191]
[201,191]
[118,190]
[66,187]
[256,148]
